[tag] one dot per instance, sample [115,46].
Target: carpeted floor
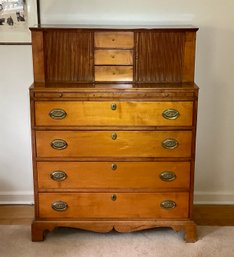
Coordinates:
[15,241]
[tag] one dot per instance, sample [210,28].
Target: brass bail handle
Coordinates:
[58,114]
[59,144]
[168,204]
[58,175]
[59,206]
[170,143]
[167,176]
[171,114]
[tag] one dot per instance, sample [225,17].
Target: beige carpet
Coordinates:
[213,242]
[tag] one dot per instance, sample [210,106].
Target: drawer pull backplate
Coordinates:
[58,175]
[168,204]
[59,144]
[170,143]
[58,114]
[171,114]
[167,176]
[59,206]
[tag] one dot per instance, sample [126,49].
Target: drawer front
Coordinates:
[113,73]
[113,143]
[113,175]
[113,205]
[117,57]
[114,40]
[113,113]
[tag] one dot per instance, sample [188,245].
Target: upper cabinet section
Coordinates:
[99,55]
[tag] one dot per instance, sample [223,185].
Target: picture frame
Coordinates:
[16,16]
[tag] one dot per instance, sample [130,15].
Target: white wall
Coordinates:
[15,145]
[214,74]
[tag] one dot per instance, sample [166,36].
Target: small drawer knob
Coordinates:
[59,206]
[59,144]
[171,114]
[58,175]
[114,136]
[113,166]
[113,56]
[58,114]
[114,197]
[167,176]
[170,143]
[168,204]
[113,106]
[113,39]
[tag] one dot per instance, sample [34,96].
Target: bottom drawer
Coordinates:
[113,205]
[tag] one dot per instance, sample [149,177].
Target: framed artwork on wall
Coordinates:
[16,16]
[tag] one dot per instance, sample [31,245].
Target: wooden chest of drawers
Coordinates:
[113,128]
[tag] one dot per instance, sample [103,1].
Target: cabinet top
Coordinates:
[115,27]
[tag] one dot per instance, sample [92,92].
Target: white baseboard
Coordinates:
[214,197]
[26,197]
[20,197]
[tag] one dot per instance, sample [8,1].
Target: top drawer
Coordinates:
[123,40]
[61,113]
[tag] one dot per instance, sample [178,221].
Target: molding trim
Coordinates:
[16,197]
[213,197]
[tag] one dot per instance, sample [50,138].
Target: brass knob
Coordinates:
[114,136]
[113,166]
[113,106]
[58,175]
[59,144]
[58,114]
[59,206]
[170,143]
[171,114]
[114,197]
[168,204]
[167,176]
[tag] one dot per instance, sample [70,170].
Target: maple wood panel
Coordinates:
[100,113]
[114,57]
[113,73]
[126,205]
[102,175]
[101,143]
[113,39]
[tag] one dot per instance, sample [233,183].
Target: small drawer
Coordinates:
[124,40]
[90,113]
[113,143]
[114,205]
[114,175]
[113,57]
[113,73]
